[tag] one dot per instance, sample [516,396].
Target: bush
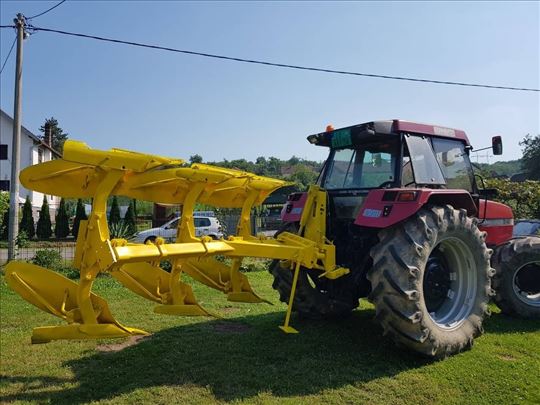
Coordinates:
[44,226]
[120,230]
[27,220]
[22,240]
[80,214]
[523,198]
[114,215]
[5,225]
[49,258]
[61,226]
[52,259]
[129,219]
[4,206]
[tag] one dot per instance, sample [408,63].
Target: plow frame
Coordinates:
[85,172]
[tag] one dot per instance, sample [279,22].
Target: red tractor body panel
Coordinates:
[386,207]
[292,209]
[497,220]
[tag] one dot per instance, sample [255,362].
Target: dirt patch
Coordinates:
[116,347]
[507,357]
[230,327]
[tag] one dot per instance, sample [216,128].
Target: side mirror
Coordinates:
[496,145]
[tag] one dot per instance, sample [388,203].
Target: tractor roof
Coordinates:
[391,127]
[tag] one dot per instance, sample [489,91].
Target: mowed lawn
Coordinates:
[245,358]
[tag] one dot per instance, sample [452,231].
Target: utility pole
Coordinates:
[13,230]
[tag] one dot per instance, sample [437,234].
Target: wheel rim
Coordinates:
[450,283]
[526,287]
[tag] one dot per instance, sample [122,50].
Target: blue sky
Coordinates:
[118,96]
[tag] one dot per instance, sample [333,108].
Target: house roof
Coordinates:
[34,138]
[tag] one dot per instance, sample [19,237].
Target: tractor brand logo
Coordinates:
[444,131]
[372,213]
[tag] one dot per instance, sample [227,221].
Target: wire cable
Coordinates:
[280,65]
[8,55]
[46,11]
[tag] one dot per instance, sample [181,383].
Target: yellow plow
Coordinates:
[89,173]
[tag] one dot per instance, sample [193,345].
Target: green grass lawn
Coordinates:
[245,358]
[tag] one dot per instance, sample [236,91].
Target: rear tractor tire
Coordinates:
[314,298]
[431,281]
[517,277]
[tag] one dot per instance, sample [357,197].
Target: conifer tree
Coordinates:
[44,226]
[129,219]
[80,214]
[5,225]
[61,226]
[27,220]
[114,215]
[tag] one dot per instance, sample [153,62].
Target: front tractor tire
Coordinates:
[431,281]
[517,278]
[315,298]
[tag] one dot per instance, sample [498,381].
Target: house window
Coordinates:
[40,155]
[4,185]
[3,152]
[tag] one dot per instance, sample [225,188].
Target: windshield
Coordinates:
[367,165]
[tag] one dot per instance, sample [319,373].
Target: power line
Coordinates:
[46,11]
[281,65]
[8,55]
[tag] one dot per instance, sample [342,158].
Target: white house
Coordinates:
[33,151]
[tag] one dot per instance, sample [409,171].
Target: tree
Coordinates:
[80,215]
[195,159]
[44,226]
[129,219]
[27,220]
[58,135]
[61,226]
[5,225]
[531,156]
[114,214]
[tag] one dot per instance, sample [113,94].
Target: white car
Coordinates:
[204,226]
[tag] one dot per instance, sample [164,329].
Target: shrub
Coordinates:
[22,240]
[120,230]
[523,198]
[114,214]
[129,219]
[80,214]
[27,220]
[49,258]
[61,226]
[44,226]
[52,260]
[5,225]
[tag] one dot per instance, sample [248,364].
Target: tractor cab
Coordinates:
[379,173]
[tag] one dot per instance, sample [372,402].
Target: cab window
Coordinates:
[454,163]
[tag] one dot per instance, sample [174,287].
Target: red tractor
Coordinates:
[409,220]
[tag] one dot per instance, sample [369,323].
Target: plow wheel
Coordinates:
[431,281]
[314,298]
[517,278]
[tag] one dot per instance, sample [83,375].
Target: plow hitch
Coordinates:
[95,174]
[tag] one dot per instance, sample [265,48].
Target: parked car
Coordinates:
[525,227]
[204,226]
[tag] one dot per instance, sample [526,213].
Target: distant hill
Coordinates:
[501,168]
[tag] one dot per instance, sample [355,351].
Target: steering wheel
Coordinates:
[386,183]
